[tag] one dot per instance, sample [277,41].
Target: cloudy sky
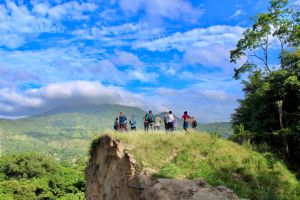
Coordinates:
[158,54]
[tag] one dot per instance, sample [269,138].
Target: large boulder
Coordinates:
[113,174]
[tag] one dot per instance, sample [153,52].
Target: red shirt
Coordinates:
[185,116]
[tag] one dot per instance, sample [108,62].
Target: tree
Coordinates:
[271,110]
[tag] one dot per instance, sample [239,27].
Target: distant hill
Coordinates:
[66,132]
[224,129]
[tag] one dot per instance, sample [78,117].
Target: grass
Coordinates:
[250,174]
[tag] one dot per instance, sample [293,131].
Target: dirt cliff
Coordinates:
[112,174]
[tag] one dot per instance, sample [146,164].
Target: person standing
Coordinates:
[194,122]
[186,120]
[170,119]
[149,119]
[175,123]
[116,124]
[132,123]
[157,123]
[146,126]
[165,121]
[122,122]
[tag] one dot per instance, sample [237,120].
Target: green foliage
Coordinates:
[29,176]
[270,112]
[250,174]
[224,129]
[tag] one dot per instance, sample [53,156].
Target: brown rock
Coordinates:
[112,174]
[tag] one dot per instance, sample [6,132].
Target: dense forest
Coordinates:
[269,115]
[28,176]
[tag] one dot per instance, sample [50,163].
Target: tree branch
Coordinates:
[266,53]
[256,56]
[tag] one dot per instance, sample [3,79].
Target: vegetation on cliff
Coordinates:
[220,162]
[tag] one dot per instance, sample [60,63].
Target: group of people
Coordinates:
[153,122]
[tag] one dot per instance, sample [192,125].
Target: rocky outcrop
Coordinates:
[112,174]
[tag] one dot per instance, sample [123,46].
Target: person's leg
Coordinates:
[169,127]
[184,126]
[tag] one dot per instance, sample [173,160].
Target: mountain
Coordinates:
[65,132]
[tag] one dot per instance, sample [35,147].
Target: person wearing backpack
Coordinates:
[116,124]
[149,119]
[132,123]
[186,120]
[122,122]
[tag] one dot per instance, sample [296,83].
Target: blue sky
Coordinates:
[153,54]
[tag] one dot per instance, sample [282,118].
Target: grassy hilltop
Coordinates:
[250,174]
[178,155]
[60,132]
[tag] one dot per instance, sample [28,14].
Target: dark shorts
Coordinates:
[185,125]
[170,125]
[123,126]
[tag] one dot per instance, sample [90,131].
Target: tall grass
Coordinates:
[178,155]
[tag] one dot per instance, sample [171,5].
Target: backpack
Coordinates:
[132,123]
[150,117]
[122,120]
[195,123]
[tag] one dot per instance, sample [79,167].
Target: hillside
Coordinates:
[179,156]
[29,176]
[61,131]
[224,129]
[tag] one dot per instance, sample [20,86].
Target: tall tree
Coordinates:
[271,109]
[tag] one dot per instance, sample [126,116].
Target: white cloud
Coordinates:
[71,10]
[125,58]
[74,62]
[199,37]
[119,35]
[19,23]
[297,2]
[85,89]
[208,46]
[215,55]
[64,94]
[6,108]
[137,69]
[11,97]
[237,13]
[216,94]
[208,104]
[172,9]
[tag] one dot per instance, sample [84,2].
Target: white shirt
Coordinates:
[170,118]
